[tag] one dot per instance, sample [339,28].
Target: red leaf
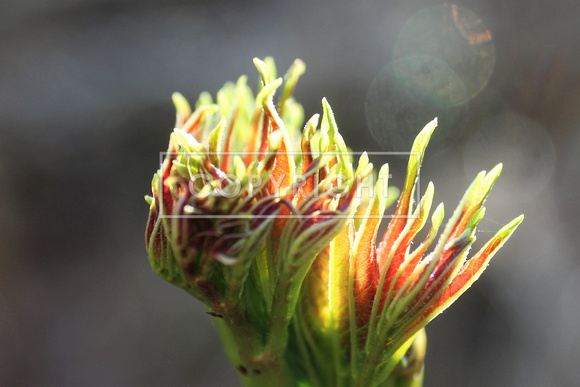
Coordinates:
[472,269]
[366,271]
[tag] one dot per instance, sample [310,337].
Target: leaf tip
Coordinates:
[181,105]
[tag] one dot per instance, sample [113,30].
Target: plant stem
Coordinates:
[255,366]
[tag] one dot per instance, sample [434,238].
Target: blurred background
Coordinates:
[85,109]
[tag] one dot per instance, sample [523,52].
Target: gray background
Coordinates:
[85,110]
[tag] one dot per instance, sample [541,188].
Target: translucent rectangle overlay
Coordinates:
[389,213]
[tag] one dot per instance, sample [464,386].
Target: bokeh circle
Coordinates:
[454,35]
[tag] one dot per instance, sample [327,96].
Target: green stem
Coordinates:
[366,374]
[255,366]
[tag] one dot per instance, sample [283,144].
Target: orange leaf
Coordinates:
[366,270]
[403,242]
[472,269]
[404,209]
[414,259]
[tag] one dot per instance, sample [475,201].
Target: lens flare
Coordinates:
[454,35]
[408,92]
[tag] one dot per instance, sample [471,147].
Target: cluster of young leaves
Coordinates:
[376,300]
[291,273]
[245,255]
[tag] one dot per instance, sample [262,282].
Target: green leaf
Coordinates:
[338,298]
[181,105]
[294,73]
[187,141]
[204,98]
[216,139]
[404,208]
[264,71]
